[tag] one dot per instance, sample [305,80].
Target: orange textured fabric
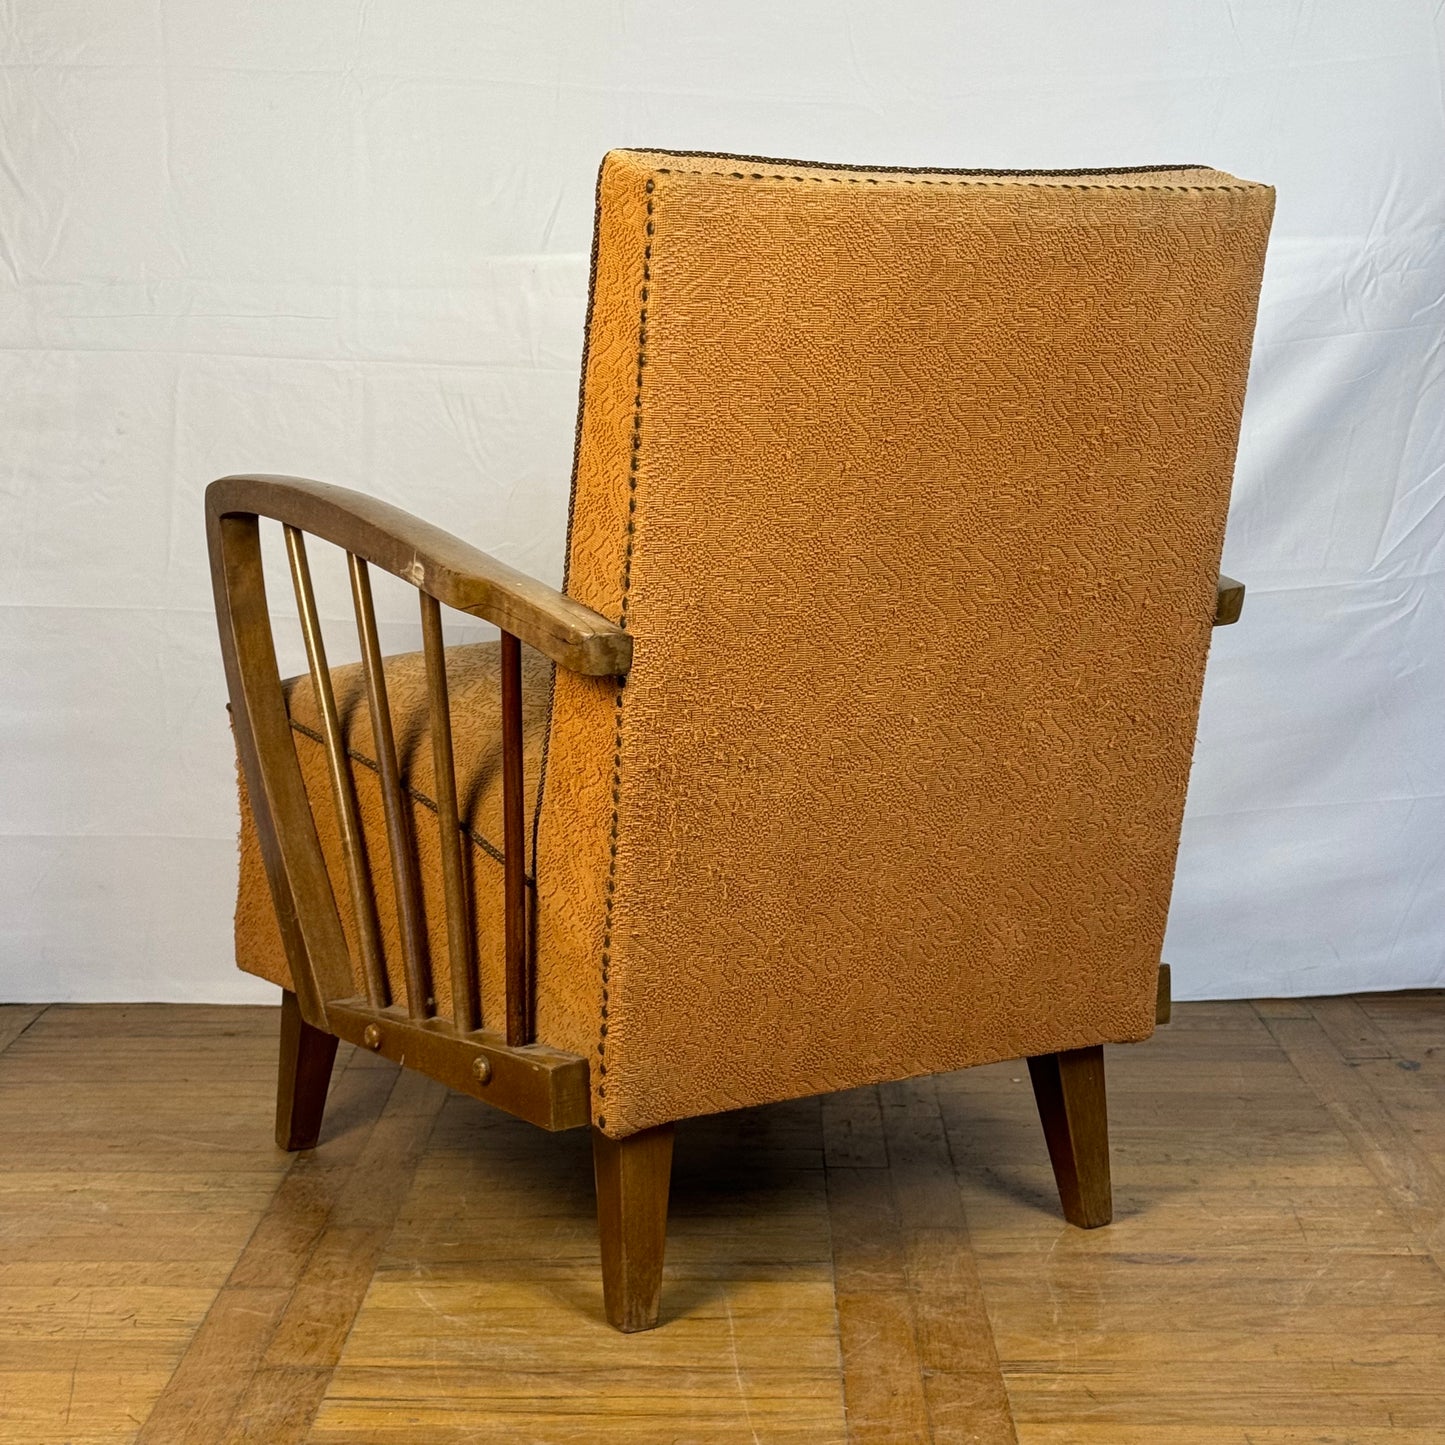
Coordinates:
[911,489]
[473,675]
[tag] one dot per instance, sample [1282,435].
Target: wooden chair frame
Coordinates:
[502,1065]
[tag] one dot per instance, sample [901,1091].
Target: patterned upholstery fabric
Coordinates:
[911,488]
[474,679]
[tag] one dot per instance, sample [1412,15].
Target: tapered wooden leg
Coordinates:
[306,1058]
[1069,1090]
[632,1180]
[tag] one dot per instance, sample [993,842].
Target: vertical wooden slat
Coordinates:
[343,787]
[466,1012]
[519,984]
[316,949]
[410,921]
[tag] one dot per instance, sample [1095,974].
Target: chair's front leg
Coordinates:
[1069,1090]
[633,1175]
[305,1073]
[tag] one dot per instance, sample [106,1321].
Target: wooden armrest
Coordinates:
[436,563]
[1228,601]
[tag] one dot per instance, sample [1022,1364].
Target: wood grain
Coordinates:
[343,785]
[295,1289]
[541,1084]
[1408,1176]
[520,990]
[307,1057]
[400,844]
[466,1003]
[15,1018]
[452,571]
[633,1178]
[1256,1283]
[485,1319]
[884,1265]
[1069,1091]
[135,1162]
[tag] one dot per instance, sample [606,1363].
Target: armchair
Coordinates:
[855,745]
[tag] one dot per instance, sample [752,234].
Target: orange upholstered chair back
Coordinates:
[911,488]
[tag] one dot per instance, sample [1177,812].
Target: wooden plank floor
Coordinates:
[882,1266]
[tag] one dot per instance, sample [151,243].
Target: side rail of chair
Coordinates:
[1228,604]
[497,1063]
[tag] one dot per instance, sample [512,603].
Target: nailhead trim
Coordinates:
[632,470]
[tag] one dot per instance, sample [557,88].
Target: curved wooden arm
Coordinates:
[1228,601]
[435,562]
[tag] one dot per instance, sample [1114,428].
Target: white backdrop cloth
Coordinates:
[348,238]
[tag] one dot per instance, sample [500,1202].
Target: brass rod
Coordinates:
[519,985]
[410,920]
[466,1013]
[343,786]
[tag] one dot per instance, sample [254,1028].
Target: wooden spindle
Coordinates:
[466,1010]
[410,920]
[343,786]
[518,980]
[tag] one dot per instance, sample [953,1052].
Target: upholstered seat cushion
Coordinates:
[473,675]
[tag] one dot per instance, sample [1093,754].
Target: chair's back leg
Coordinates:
[633,1175]
[301,1083]
[1069,1090]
